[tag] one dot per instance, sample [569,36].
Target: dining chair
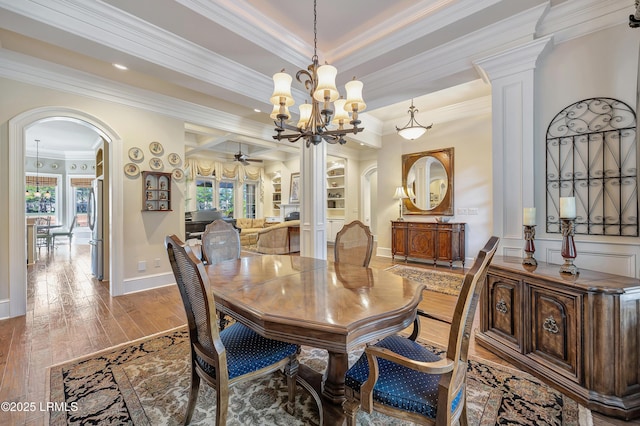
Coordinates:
[354,244]
[223,358]
[401,378]
[220,241]
[68,233]
[43,231]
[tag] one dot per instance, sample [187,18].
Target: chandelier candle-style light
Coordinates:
[413,129]
[316,117]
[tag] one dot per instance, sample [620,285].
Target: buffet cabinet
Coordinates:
[434,241]
[580,335]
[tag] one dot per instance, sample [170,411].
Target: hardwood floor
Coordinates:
[70,314]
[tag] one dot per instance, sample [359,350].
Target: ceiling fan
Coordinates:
[242,157]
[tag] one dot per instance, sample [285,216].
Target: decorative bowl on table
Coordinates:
[443,219]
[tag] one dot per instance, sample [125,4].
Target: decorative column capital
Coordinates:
[512,61]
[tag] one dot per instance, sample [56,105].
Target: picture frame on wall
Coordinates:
[294,193]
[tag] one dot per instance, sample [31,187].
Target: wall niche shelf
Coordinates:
[276,196]
[156,192]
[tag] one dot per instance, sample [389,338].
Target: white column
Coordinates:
[511,74]
[313,212]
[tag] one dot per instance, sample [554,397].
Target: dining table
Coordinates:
[318,303]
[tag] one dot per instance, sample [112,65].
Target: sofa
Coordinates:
[249,229]
[275,239]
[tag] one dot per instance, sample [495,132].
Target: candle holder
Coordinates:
[568,247]
[529,246]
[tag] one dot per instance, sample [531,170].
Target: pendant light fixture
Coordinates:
[315,117]
[413,129]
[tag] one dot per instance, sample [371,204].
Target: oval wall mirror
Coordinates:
[427,178]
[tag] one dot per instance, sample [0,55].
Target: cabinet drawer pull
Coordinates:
[550,325]
[501,307]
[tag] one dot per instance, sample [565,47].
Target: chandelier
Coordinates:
[413,129]
[316,117]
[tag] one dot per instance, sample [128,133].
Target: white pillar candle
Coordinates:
[529,216]
[567,207]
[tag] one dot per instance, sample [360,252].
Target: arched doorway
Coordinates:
[18,127]
[369,185]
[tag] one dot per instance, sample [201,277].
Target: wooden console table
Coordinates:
[580,335]
[428,240]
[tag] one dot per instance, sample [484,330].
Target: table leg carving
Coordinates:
[334,382]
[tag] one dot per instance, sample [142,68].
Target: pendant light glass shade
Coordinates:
[413,129]
[326,84]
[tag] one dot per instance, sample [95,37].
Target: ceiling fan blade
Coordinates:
[253,159]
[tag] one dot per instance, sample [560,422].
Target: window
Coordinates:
[47,201]
[80,190]
[249,200]
[225,193]
[204,194]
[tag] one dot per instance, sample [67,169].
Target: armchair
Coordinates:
[402,378]
[223,358]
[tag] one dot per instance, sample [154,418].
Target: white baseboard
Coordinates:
[134,285]
[4,309]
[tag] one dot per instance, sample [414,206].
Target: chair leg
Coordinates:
[463,417]
[291,371]
[350,406]
[222,406]
[193,395]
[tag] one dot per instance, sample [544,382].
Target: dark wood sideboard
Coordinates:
[580,335]
[433,241]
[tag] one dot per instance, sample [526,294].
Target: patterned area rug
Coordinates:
[438,281]
[145,382]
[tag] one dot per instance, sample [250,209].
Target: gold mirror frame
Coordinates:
[445,156]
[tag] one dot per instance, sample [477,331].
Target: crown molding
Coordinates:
[261,30]
[422,19]
[577,18]
[457,56]
[34,71]
[26,69]
[108,26]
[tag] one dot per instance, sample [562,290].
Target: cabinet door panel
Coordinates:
[554,329]
[422,243]
[399,237]
[504,315]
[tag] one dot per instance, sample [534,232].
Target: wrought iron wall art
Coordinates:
[592,156]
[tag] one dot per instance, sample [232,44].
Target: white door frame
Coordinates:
[17,224]
[365,194]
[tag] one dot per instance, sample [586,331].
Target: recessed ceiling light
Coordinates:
[361,144]
[257,110]
[120,67]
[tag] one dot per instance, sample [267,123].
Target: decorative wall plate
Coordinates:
[131,169]
[136,154]
[54,166]
[39,164]
[174,159]
[156,163]
[177,174]
[73,166]
[83,167]
[156,148]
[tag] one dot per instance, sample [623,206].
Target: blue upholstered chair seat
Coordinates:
[247,351]
[399,386]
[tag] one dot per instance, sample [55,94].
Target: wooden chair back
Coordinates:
[460,332]
[220,241]
[354,244]
[198,303]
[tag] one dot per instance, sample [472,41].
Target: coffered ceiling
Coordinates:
[221,54]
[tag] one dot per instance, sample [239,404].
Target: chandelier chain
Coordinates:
[315,30]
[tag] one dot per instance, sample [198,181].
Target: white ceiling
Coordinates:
[221,54]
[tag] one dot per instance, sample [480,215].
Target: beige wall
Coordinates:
[471,139]
[143,232]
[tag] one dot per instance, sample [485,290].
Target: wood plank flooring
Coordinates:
[70,314]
